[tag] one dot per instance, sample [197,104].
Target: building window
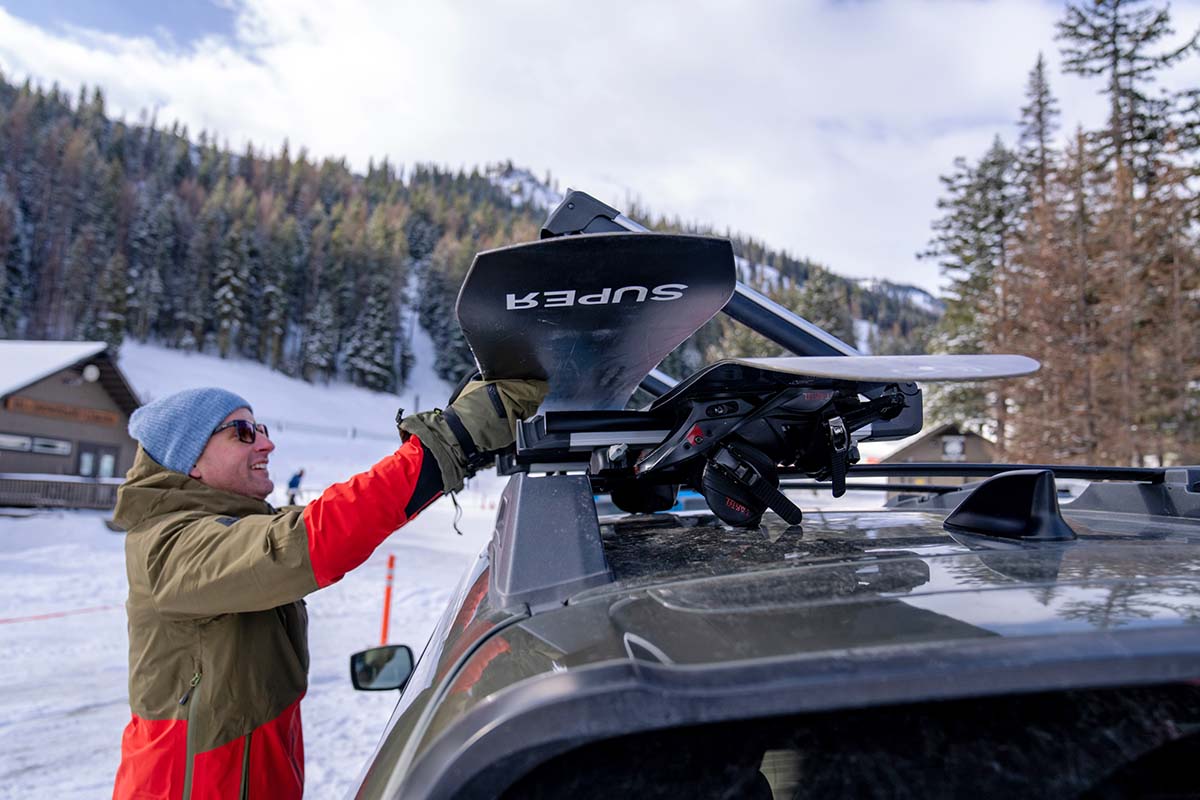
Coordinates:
[954,448]
[97,460]
[51,447]
[35,444]
[12,441]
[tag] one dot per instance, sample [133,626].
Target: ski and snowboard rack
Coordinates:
[594,307]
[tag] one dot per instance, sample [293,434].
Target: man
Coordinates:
[218,650]
[294,486]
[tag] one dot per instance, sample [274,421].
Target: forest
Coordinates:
[111,229]
[1079,248]
[1076,246]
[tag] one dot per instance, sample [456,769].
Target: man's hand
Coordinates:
[481,420]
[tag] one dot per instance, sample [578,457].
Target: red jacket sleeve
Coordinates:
[349,520]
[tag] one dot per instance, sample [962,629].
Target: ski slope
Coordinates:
[63,643]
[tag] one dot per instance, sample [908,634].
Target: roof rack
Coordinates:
[580,213]
[547,543]
[962,468]
[1158,491]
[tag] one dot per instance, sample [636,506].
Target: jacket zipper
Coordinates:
[245,795]
[191,749]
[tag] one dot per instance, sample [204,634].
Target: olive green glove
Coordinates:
[482,419]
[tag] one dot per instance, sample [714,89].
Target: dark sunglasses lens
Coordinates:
[262,428]
[245,430]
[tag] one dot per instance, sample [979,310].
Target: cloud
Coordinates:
[818,127]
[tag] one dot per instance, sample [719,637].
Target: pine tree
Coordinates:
[1088,410]
[279,262]
[371,349]
[975,240]
[109,319]
[825,302]
[250,334]
[320,341]
[1038,124]
[1121,41]
[1046,293]
[163,259]
[203,252]
[145,289]
[229,288]
[1114,39]
[1169,368]
[14,267]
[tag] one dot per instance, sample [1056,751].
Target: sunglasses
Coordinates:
[247,431]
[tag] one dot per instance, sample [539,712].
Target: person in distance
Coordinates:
[218,641]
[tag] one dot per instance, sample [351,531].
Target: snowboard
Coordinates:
[739,374]
[591,314]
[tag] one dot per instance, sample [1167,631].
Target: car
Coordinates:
[978,639]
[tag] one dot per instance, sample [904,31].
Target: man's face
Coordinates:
[231,465]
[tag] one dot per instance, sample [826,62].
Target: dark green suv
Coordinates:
[980,639]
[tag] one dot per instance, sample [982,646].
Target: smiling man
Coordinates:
[218,633]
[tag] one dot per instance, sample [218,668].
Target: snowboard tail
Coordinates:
[591,314]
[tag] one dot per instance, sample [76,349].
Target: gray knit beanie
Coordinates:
[175,429]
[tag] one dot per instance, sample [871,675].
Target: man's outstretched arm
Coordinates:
[349,520]
[205,565]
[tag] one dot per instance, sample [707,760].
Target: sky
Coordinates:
[818,127]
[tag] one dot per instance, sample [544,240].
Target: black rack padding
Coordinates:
[547,545]
[579,212]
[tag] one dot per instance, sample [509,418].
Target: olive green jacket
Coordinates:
[217,629]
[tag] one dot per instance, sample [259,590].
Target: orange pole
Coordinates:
[387,600]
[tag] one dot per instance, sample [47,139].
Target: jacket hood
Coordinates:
[150,489]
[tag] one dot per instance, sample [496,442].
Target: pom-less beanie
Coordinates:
[175,429]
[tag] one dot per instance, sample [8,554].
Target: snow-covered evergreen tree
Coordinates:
[974,241]
[109,318]
[229,287]
[145,290]
[825,302]
[320,341]
[370,350]
[14,266]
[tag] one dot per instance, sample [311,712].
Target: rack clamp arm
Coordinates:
[839,447]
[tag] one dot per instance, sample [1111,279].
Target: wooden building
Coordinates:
[64,411]
[945,442]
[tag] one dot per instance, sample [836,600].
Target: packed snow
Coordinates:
[63,670]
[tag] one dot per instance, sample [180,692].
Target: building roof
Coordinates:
[874,452]
[24,363]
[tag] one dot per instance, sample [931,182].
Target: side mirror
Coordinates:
[381,668]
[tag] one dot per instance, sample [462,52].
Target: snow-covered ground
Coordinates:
[63,672]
